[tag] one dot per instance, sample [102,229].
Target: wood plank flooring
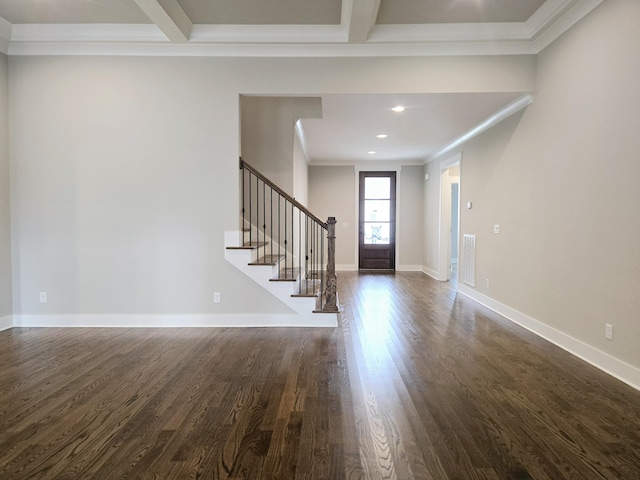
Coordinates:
[415,383]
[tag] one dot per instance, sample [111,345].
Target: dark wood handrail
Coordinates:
[284,194]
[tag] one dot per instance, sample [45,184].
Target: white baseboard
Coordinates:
[6,322]
[172,321]
[409,268]
[603,361]
[431,272]
[347,268]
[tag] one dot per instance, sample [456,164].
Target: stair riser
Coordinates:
[262,275]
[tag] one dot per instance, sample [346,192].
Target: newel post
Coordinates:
[332,282]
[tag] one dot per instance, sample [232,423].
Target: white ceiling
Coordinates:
[430,122]
[312,28]
[403,12]
[285,27]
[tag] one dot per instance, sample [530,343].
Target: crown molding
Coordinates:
[267,50]
[549,12]
[527,38]
[505,112]
[369,164]
[61,34]
[271,34]
[450,32]
[550,21]
[560,24]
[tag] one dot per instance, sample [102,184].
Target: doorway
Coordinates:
[449,218]
[455,226]
[377,221]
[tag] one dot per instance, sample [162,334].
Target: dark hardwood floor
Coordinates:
[415,383]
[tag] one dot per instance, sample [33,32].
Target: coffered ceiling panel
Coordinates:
[286,27]
[405,12]
[72,11]
[261,12]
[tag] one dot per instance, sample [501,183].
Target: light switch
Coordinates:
[496,229]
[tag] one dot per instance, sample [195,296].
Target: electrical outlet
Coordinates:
[608,331]
[488,283]
[216,297]
[496,229]
[43,297]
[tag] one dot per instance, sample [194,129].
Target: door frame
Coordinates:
[392,246]
[382,167]
[444,222]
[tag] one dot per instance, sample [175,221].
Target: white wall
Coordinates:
[121,188]
[410,217]
[431,227]
[5,218]
[561,180]
[455,211]
[332,194]
[125,171]
[300,172]
[268,136]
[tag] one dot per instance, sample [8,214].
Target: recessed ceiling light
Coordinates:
[371,152]
[382,135]
[399,108]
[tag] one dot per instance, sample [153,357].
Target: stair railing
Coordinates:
[290,235]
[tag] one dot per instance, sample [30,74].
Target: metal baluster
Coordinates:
[243,195]
[300,247]
[264,221]
[285,238]
[279,231]
[250,213]
[321,266]
[293,245]
[306,249]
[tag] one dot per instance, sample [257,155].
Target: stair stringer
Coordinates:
[301,307]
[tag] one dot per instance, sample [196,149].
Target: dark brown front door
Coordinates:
[377,221]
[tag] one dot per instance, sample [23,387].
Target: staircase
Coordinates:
[286,250]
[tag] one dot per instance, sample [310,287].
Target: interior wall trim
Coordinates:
[615,367]
[6,322]
[409,268]
[346,267]
[431,272]
[174,321]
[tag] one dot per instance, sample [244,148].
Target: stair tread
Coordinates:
[268,260]
[286,275]
[308,288]
[249,246]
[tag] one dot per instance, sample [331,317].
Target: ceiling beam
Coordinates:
[359,17]
[170,18]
